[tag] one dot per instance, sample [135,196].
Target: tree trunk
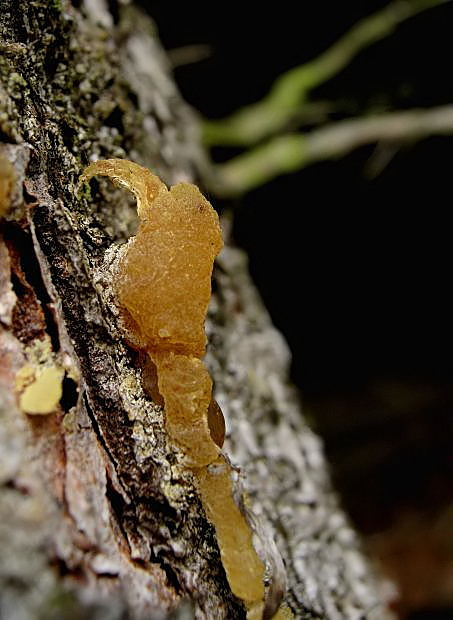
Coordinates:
[98,518]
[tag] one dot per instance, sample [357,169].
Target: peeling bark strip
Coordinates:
[98,517]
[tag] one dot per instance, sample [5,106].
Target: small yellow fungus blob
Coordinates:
[43,395]
[164,287]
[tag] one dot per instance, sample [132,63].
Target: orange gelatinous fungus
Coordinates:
[164,287]
[186,387]
[165,281]
[166,273]
[244,569]
[137,179]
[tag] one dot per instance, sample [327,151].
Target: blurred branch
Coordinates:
[289,92]
[188,54]
[291,152]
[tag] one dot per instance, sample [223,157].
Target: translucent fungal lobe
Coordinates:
[163,288]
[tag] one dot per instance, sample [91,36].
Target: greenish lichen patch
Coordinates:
[63,95]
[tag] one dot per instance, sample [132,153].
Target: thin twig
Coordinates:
[289,92]
[291,152]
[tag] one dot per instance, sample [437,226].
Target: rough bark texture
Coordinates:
[98,516]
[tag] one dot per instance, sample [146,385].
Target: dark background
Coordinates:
[355,269]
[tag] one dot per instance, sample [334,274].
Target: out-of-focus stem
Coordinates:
[291,152]
[287,96]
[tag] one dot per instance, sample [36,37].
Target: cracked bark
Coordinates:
[97,515]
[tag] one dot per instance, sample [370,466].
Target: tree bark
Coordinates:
[98,516]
